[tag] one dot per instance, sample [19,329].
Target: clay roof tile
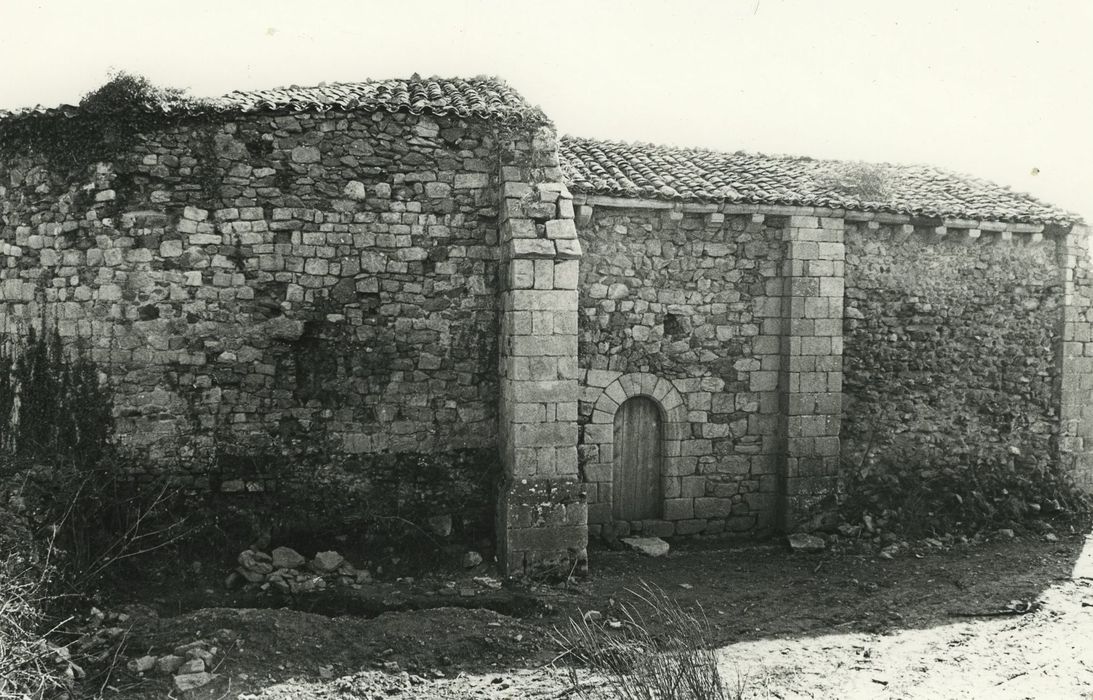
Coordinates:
[641,170]
[472,98]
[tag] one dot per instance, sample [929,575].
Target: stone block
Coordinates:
[544,300]
[516,190]
[565,459]
[817,307]
[547,539]
[673,466]
[817,345]
[543,345]
[657,528]
[692,486]
[195,214]
[530,248]
[544,391]
[306,154]
[830,251]
[692,527]
[678,508]
[566,274]
[437,190]
[805,286]
[465,181]
[518,228]
[827,446]
[696,447]
[523,462]
[598,472]
[544,274]
[763,381]
[600,433]
[561,228]
[599,513]
[200,686]
[567,249]
[831,287]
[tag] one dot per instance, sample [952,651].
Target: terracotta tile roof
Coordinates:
[473,98]
[647,171]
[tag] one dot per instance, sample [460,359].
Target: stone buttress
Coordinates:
[542,514]
[812,363]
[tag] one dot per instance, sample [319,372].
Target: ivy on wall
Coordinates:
[52,407]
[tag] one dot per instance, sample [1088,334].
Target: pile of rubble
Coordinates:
[100,635]
[192,666]
[881,537]
[287,571]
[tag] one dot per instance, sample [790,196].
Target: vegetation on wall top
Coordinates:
[106,122]
[863,181]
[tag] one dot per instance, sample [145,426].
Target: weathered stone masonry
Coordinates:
[453,292]
[954,325]
[953,333]
[330,276]
[685,307]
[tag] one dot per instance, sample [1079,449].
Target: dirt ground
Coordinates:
[1005,618]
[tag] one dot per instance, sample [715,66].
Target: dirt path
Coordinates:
[1046,654]
[788,625]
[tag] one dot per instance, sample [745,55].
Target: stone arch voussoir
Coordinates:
[676,428]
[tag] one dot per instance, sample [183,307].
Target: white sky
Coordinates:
[996,89]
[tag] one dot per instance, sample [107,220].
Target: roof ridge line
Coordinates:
[679,173]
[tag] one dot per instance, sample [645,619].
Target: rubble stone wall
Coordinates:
[297,277]
[685,308]
[952,339]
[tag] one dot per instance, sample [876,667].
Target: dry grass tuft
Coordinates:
[654,650]
[30,667]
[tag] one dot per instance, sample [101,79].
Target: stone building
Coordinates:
[421,276]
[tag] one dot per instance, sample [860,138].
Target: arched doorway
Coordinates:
[636,472]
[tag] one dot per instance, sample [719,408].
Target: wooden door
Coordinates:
[636,477]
